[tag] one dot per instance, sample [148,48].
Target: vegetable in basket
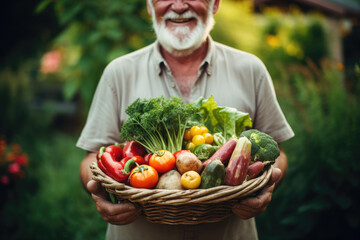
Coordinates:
[239,163]
[115,151]
[133,148]
[197,135]
[162,161]
[143,176]
[263,146]
[223,153]
[219,139]
[254,169]
[204,151]
[225,120]
[170,180]
[110,162]
[190,180]
[114,169]
[187,161]
[213,175]
[158,123]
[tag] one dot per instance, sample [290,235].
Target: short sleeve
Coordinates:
[102,126]
[269,116]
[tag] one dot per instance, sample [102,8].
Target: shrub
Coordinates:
[322,181]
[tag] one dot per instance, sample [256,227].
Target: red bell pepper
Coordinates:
[138,159]
[114,169]
[147,158]
[134,148]
[115,150]
[102,167]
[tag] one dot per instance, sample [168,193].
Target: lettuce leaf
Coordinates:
[226,120]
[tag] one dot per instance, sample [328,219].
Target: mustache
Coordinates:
[173,15]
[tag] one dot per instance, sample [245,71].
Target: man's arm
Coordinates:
[85,172]
[251,207]
[118,214]
[281,163]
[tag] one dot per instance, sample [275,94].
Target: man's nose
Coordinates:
[179,6]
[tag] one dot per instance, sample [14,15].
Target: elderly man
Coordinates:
[183,62]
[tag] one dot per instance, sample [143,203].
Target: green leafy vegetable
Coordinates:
[204,151]
[158,123]
[263,146]
[219,140]
[226,120]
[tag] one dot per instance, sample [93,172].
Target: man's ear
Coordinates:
[216,6]
[148,7]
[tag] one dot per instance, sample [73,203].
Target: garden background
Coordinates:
[53,54]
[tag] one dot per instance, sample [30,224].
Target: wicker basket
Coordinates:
[183,206]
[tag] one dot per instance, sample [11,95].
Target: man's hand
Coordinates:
[117,214]
[251,207]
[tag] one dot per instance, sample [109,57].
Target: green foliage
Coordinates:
[51,202]
[322,182]
[158,123]
[292,39]
[13,98]
[25,34]
[242,32]
[96,32]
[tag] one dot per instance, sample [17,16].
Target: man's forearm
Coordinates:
[85,172]
[281,163]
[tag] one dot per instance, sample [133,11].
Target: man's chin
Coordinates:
[180,51]
[181,47]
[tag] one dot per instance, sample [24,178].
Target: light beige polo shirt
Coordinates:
[235,79]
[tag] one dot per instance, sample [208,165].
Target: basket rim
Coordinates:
[177,196]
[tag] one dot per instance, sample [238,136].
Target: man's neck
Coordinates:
[185,68]
[197,56]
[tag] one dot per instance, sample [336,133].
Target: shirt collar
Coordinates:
[161,64]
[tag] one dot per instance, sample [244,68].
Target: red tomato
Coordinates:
[134,148]
[162,161]
[143,176]
[176,154]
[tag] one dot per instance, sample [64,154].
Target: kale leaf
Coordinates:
[158,123]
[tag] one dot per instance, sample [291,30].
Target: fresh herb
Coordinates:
[158,123]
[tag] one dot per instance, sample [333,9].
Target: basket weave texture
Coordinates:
[183,206]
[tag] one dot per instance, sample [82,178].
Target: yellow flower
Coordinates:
[273,41]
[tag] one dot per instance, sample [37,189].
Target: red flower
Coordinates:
[4,180]
[14,168]
[22,160]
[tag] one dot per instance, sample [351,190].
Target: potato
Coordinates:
[187,161]
[170,180]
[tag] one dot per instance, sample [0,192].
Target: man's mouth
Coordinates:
[181,20]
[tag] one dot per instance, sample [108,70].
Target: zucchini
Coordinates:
[213,175]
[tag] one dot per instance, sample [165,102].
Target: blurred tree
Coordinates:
[24,33]
[94,33]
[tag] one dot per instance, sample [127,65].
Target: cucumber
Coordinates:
[213,175]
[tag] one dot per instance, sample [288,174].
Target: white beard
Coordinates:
[182,41]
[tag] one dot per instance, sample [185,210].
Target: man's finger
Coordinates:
[108,208]
[95,188]
[275,175]
[263,198]
[124,218]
